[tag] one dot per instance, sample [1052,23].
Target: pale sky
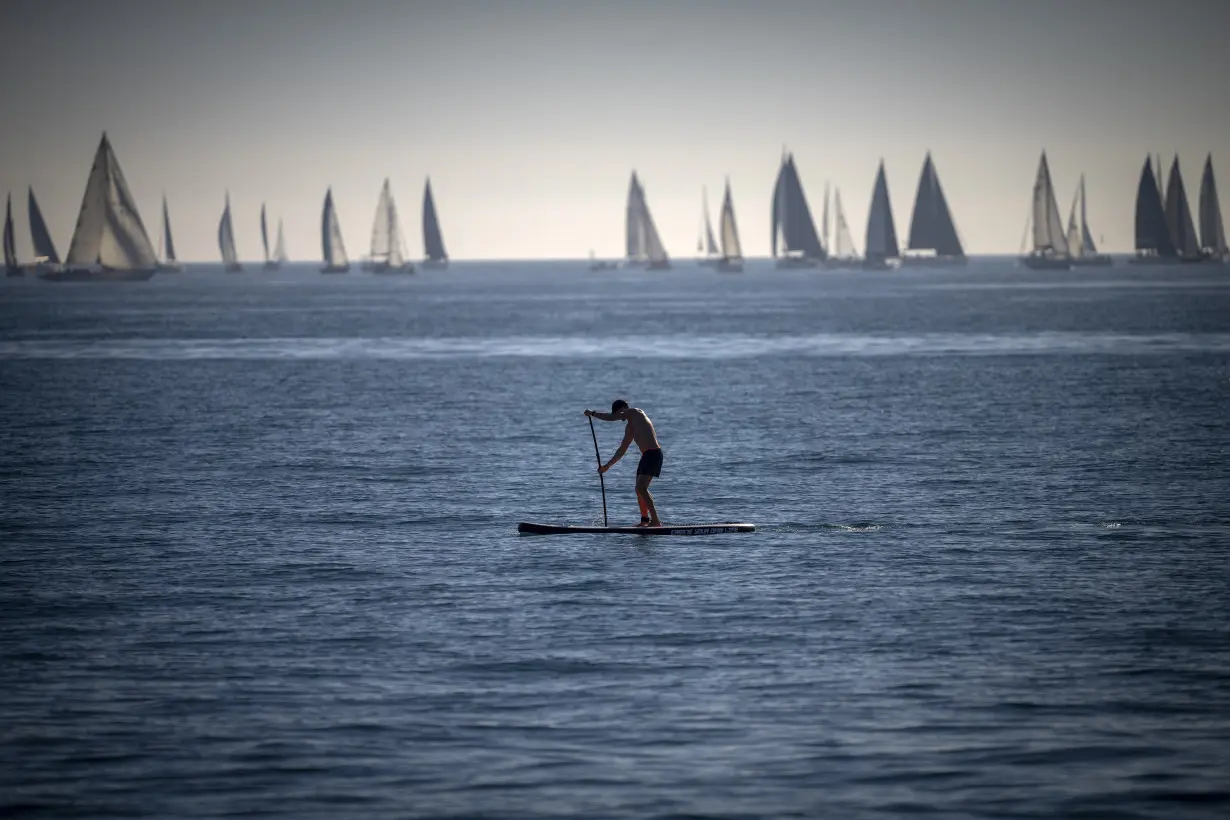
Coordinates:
[530,116]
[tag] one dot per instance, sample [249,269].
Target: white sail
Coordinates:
[1075,247]
[109,230]
[381,226]
[655,253]
[843,247]
[1049,235]
[1087,246]
[729,230]
[279,248]
[334,250]
[634,223]
[226,237]
[388,243]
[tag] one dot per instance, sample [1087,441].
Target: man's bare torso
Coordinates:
[641,429]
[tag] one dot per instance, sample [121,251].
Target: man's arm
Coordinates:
[619,453]
[600,416]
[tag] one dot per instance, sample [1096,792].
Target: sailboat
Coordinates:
[433,241]
[279,248]
[792,225]
[644,246]
[844,254]
[1179,218]
[271,262]
[11,268]
[109,242]
[226,240]
[1212,229]
[45,256]
[881,242]
[332,247]
[388,248]
[1081,249]
[706,245]
[1154,245]
[169,263]
[1050,242]
[731,260]
[933,235]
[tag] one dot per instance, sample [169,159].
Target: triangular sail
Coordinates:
[226,236]
[382,225]
[1212,229]
[44,248]
[1049,234]
[433,241]
[655,252]
[731,247]
[844,243]
[1151,231]
[1075,246]
[1087,247]
[824,219]
[264,234]
[109,230]
[397,243]
[168,244]
[334,250]
[279,248]
[711,245]
[10,246]
[881,232]
[792,220]
[634,224]
[1179,215]
[931,227]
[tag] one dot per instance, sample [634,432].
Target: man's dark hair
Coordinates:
[617,405]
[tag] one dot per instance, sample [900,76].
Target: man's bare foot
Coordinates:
[643,524]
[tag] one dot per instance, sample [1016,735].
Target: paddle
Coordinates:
[602,480]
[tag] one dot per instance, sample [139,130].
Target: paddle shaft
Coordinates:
[601,480]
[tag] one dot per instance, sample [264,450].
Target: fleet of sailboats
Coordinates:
[435,257]
[332,247]
[388,251]
[110,243]
[644,246]
[226,240]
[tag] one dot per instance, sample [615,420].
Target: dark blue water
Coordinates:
[258,550]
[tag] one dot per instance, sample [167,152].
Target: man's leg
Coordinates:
[646,500]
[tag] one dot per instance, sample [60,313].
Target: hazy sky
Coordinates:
[529,116]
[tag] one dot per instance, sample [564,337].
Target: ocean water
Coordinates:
[258,550]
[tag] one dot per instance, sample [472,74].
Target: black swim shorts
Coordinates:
[651,463]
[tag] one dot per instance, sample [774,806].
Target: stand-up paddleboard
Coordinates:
[530,528]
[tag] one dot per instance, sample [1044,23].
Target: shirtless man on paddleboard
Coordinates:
[638,428]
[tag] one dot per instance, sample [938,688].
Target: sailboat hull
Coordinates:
[385,269]
[1100,260]
[795,263]
[434,264]
[104,275]
[1040,262]
[909,261]
[845,263]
